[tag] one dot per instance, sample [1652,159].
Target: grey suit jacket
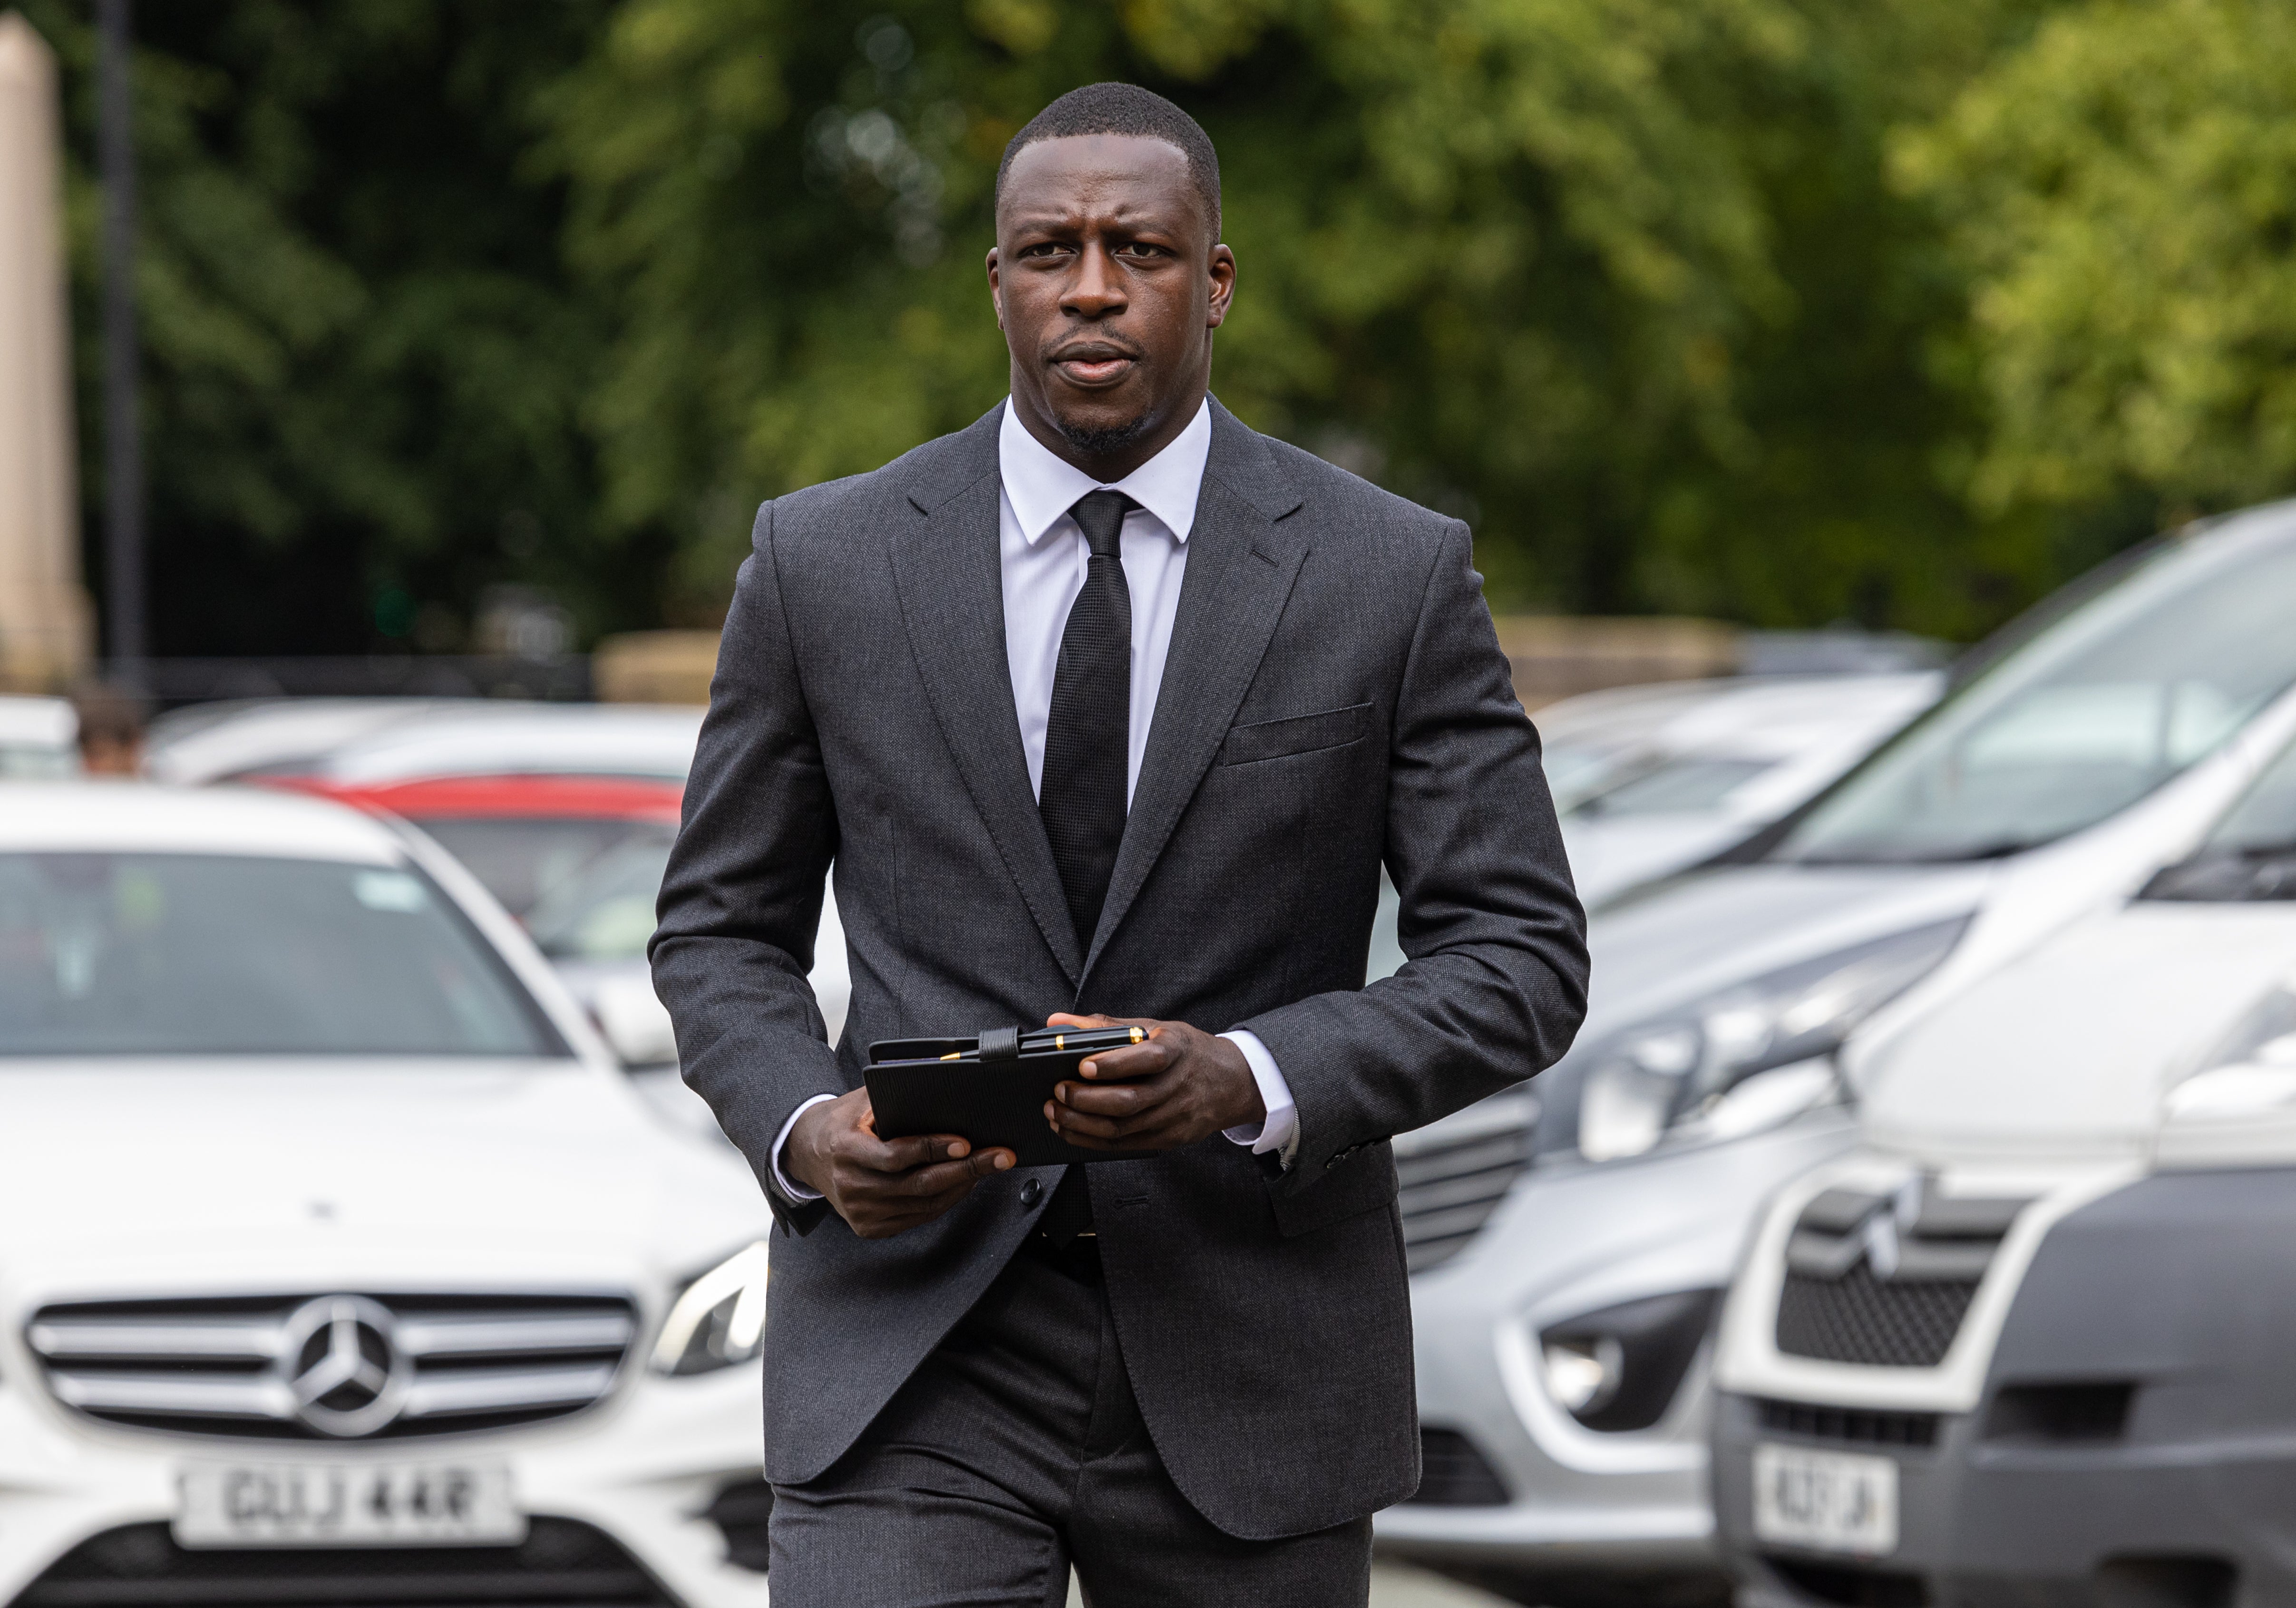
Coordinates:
[1335,700]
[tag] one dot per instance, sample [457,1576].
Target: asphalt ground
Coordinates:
[1397,1586]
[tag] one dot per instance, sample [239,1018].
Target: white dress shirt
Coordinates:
[1042,553]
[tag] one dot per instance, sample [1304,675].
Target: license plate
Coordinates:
[1829,1501]
[347,1504]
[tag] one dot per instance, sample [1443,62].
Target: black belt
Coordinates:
[1068,1215]
[1079,1258]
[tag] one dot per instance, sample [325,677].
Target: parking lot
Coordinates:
[1861,438]
[408,1257]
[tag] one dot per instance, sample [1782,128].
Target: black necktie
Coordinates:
[1087,737]
[1087,744]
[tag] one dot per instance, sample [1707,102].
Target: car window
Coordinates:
[523,860]
[2264,821]
[1573,769]
[36,762]
[2251,854]
[1681,786]
[607,911]
[2081,721]
[220,955]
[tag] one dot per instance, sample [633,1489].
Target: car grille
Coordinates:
[1454,1474]
[1452,1176]
[1862,1426]
[262,1366]
[140,1565]
[1860,1318]
[1885,1281]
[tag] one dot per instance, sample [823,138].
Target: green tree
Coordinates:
[442,295]
[2121,193]
[363,359]
[1618,279]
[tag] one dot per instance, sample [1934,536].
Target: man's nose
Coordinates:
[1098,288]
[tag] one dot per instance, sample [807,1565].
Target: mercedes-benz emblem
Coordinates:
[341,1365]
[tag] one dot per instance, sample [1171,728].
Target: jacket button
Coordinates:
[1032,1192]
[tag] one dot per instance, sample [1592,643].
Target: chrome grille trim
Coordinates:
[494,1392]
[253,1340]
[246,1367]
[494,1336]
[175,1395]
[1452,1174]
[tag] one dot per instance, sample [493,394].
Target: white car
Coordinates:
[37,738]
[635,740]
[593,911]
[1587,739]
[369,741]
[276,736]
[1718,766]
[338,1262]
[2029,1338]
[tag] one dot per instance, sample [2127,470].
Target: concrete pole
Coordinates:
[44,613]
[123,429]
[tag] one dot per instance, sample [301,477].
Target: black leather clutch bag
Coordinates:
[989,1089]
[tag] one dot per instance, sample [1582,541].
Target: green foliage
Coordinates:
[1618,280]
[361,354]
[1758,308]
[2122,193]
[1498,253]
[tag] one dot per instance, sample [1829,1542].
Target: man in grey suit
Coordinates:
[1107,704]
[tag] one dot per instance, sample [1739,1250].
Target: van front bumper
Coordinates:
[2135,1444]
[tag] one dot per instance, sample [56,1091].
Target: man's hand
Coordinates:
[1181,1086]
[881,1187]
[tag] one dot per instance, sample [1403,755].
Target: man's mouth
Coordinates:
[1092,362]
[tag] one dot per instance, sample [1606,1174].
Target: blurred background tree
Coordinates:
[364,359]
[1758,308]
[1619,280]
[2120,192]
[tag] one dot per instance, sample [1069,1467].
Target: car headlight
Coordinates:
[2251,1074]
[719,1320]
[1621,1367]
[1750,1056]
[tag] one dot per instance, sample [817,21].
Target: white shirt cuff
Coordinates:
[782,1180]
[1280,1130]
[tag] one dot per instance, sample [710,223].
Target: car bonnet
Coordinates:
[2067,1051]
[144,1176]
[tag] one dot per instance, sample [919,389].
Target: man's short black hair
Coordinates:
[1125,109]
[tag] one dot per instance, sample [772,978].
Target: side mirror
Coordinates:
[633,1022]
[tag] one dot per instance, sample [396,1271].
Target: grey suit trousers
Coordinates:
[1016,1451]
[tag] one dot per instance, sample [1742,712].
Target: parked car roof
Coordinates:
[218,742]
[604,740]
[127,817]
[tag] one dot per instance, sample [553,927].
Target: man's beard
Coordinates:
[1098,441]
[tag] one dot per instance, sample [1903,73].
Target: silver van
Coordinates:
[1570,1238]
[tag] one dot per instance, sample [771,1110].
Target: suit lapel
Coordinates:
[947,572]
[1241,561]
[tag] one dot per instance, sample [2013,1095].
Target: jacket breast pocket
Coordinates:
[1294,735]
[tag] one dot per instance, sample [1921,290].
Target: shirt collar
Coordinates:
[1042,486]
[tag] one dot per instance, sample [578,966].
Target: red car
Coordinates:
[577,859]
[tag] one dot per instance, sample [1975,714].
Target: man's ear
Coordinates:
[1222,269]
[996,290]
